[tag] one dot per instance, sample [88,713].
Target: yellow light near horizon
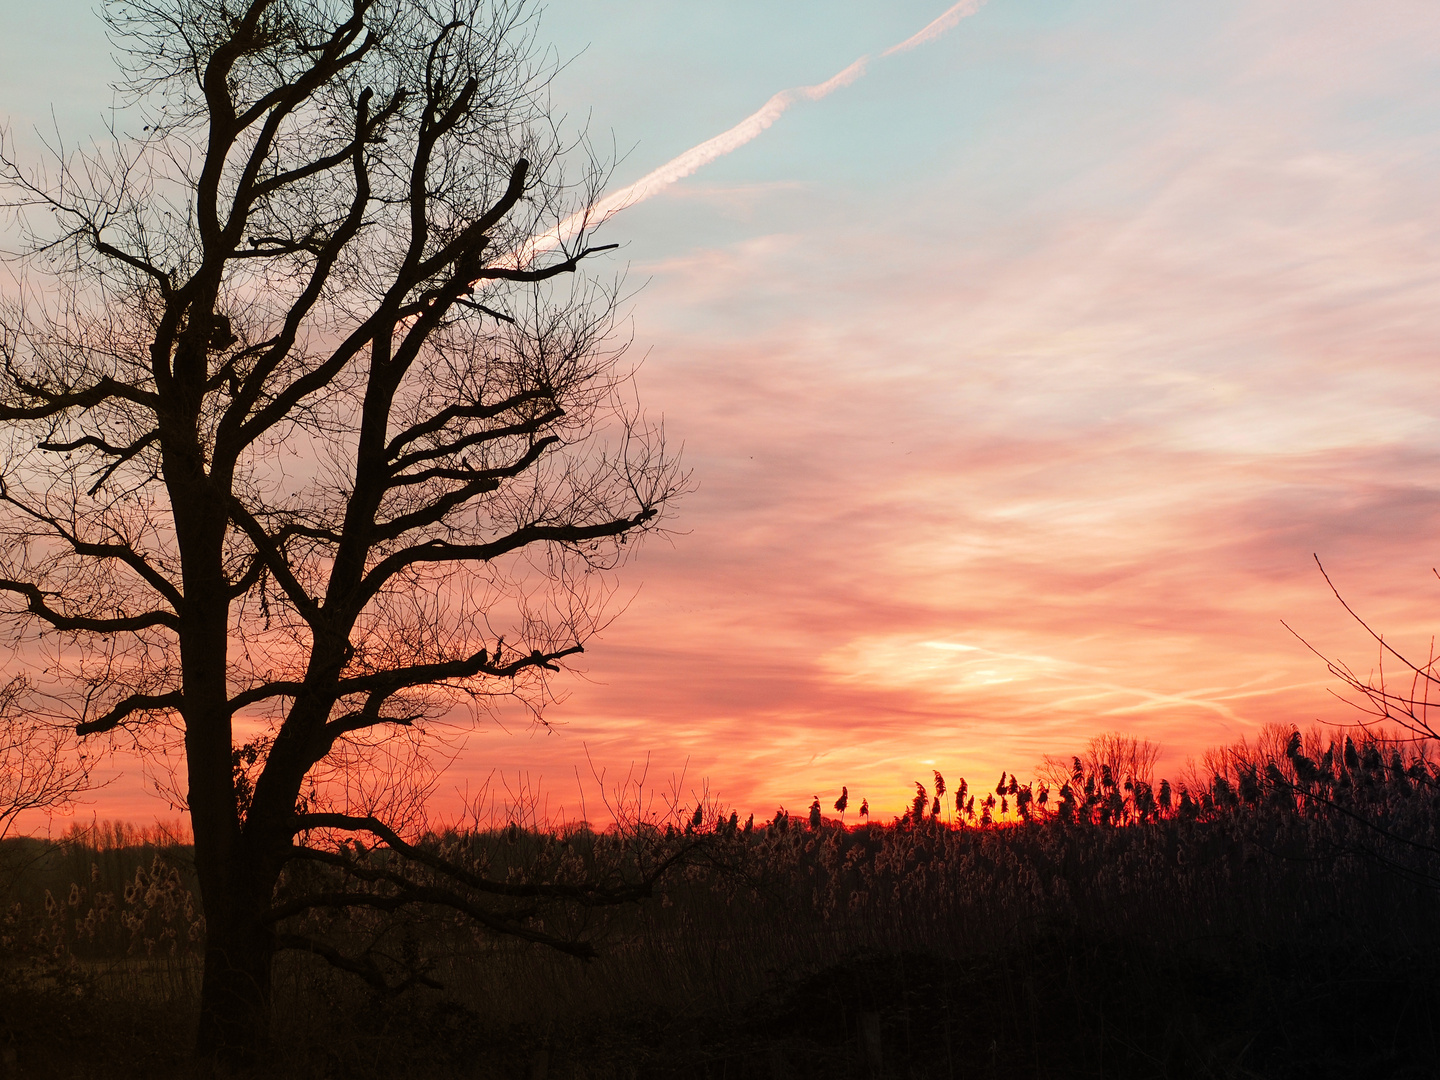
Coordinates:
[936,666]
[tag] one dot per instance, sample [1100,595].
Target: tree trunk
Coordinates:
[234,890]
[235,991]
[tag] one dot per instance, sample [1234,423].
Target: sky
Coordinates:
[1023,374]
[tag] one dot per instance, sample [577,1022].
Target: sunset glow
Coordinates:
[1021,384]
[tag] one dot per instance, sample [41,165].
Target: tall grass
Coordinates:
[108,912]
[1095,893]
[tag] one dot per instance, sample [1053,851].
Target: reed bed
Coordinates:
[1273,914]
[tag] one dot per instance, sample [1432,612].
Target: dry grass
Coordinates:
[1275,915]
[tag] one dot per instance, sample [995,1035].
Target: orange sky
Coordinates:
[1020,380]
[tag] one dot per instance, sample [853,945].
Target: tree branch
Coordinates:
[37,606]
[445,551]
[365,968]
[55,402]
[477,482]
[160,277]
[450,413]
[275,561]
[464,442]
[122,552]
[591,896]
[174,699]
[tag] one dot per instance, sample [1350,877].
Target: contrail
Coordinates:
[936,28]
[699,156]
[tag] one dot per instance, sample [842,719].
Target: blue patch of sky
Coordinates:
[54,60]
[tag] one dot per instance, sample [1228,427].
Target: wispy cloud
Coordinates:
[972,503]
[1037,443]
[702,154]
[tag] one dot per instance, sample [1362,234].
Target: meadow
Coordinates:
[1273,914]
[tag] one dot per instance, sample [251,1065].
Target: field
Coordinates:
[1276,915]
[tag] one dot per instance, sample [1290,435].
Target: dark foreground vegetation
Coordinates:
[1273,916]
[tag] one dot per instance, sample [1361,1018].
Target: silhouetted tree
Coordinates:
[306,443]
[39,769]
[1400,691]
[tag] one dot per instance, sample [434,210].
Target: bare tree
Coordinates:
[312,431]
[1405,698]
[40,768]
[1122,757]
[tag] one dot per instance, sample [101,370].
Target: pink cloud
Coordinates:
[976,485]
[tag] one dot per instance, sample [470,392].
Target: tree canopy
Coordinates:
[314,426]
